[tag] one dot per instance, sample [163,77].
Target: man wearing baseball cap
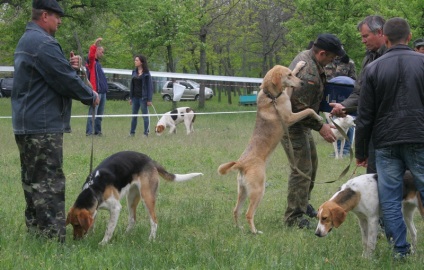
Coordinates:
[324,49]
[45,84]
[419,45]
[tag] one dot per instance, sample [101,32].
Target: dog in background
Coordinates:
[344,123]
[127,173]
[360,195]
[273,112]
[173,118]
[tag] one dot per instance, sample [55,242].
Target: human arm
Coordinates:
[60,74]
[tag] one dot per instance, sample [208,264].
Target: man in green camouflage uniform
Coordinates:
[326,47]
[341,66]
[44,86]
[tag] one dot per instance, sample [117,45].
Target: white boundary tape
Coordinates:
[143,115]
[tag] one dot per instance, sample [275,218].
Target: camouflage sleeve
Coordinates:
[310,94]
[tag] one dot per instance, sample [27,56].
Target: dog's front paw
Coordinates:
[300,64]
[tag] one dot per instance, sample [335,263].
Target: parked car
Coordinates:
[6,87]
[191,91]
[117,91]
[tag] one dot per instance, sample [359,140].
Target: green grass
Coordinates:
[196,229]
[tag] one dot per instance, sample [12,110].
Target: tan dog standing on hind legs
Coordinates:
[273,113]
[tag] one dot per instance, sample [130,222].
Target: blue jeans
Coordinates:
[99,110]
[392,162]
[136,104]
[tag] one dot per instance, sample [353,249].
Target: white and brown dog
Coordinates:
[125,173]
[360,195]
[173,118]
[274,111]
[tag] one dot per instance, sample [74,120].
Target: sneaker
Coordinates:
[310,211]
[88,134]
[131,135]
[98,134]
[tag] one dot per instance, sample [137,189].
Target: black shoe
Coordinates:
[304,224]
[310,211]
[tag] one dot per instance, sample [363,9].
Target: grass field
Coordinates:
[196,229]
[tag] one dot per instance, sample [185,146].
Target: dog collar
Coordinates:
[273,99]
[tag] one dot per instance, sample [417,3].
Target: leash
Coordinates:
[344,172]
[93,117]
[155,111]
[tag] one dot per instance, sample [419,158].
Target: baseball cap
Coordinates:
[51,5]
[419,42]
[331,43]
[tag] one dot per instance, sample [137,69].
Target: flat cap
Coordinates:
[331,43]
[51,5]
[419,42]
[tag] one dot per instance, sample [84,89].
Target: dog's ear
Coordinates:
[85,219]
[68,217]
[276,78]
[339,216]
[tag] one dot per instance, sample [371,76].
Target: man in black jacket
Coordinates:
[391,114]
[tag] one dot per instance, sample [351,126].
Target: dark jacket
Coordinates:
[391,105]
[147,85]
[370,56]
[44,85]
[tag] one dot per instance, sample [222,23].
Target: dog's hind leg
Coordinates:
[242,195]
[149,196]
[255,189]
[133,198]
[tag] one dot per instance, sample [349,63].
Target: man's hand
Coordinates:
[75,61]
[338,110]
[327,134]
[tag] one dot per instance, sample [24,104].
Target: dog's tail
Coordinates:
[226,167]
[175,177]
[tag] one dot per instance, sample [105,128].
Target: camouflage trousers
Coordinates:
[43,183]
[306,160]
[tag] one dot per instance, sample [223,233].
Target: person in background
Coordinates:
[342,71]
[341,66]
[325,48]
[141,93]
[371,30]
[44,86]
[391,114]
[98,81]
[419,45]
